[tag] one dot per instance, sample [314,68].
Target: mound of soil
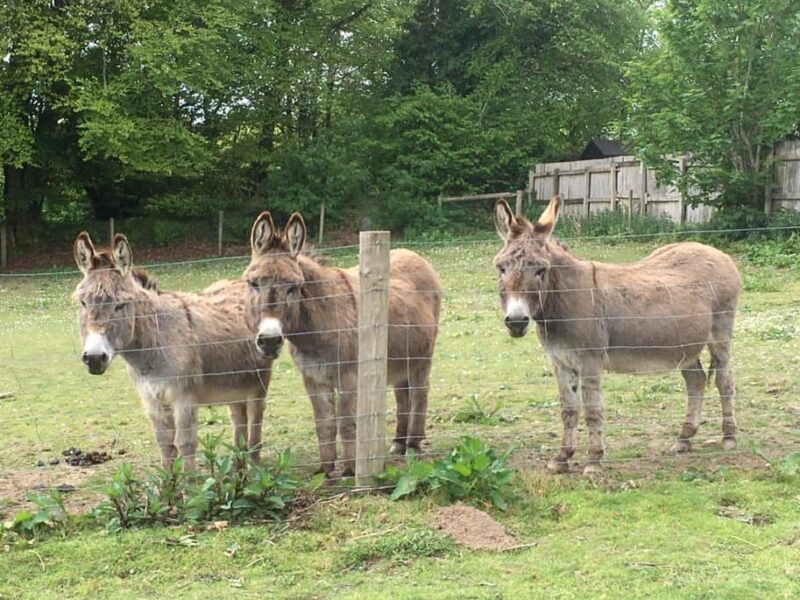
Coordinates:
[472,528]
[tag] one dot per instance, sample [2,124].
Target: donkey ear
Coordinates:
[504,221]
[295,234]
[83,250]
[123,255]
[547,222]
[262,234]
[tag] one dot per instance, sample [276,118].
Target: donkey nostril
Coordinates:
[85,358]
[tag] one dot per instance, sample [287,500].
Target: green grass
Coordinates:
[702,525]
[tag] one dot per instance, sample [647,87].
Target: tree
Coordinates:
[721,84]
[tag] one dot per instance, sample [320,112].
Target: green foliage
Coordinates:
[707,88]
[475,412]
[781,253]
[609,224]
[408,545]
[229,486]
[471,471]
[49,513]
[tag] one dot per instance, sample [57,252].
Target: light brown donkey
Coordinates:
[294,297]
[653,315]
[182,349]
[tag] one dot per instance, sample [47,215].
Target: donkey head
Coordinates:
[106,296]
[523,264]
[275,281]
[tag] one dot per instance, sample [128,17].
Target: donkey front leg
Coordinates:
[321,396]
[186,434]
[570,408]
[163,420]
[238,414]
[593,410]
[348,400]
[255,423]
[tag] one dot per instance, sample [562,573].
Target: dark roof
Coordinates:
[603,148]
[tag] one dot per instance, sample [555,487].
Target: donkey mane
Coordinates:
[145,279]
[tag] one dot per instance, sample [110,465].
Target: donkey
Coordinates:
[655,314]
[182,350]
[295,297]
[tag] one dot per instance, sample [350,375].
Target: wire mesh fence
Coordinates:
[483,383]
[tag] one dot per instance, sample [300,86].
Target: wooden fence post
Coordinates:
[321,224]
[519,204]
[112,232]
[643,201]
[630,206]
[3,246]
[614,191]
[220,218]
[682,206]
[556,183]
[588,182]
[373,338]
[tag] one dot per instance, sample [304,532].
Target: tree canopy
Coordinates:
[177,108]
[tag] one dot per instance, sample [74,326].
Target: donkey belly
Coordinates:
[650,360]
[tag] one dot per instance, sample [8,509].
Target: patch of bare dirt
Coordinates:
[472,528]
[16,485]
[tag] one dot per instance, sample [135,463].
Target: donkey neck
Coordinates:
[327,308]
[142,352]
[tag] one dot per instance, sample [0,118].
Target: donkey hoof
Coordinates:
[397,448]
[325,470]
[557,465]
[729,444]
[682,446]
[593,468]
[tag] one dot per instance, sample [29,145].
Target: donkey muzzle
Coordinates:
[517,325]
[97,363]
[269,345]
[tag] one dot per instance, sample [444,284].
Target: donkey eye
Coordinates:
[291,290]
[119,307]
[540,273]
[252,284]
[83,303]
[501,270]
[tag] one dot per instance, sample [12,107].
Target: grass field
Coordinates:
[702,525]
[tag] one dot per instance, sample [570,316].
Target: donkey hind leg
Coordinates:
[720,366]
[570,407]
[255,424]
[593,411]
[418,405]
[322,401]
[186,431]
[695,378]
[403,409]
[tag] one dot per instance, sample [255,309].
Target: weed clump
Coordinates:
[470,471]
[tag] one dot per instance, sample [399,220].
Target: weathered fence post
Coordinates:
[321,223]
[3,246]
[373,338]
[630,206]
[220,218]
[519,205]
[112,232]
